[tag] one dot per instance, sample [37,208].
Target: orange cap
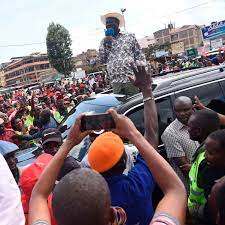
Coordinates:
[105,152]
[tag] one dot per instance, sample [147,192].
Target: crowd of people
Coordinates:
[181,64]
[58,190]
[108,186]
[25,112]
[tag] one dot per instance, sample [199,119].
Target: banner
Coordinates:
[214,30]
[161,53]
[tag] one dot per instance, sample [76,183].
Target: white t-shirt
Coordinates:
[11,211]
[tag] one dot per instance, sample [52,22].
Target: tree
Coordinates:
[59,48]
[150,51]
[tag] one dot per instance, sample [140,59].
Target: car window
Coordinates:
[165,115]
[211,96]
[222,83]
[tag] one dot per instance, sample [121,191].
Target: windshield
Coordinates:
[27,156]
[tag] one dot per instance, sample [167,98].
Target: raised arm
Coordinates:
[143,80]
[38,204]
[33,110]
[199,105]
[174,201]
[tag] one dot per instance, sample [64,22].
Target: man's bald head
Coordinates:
[183,109]
[182,100]
[82,197]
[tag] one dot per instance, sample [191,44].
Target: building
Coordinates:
[146,41]
[2,78]
[162,36]
[85,59]
[180,39]
[27,69]
[2,74]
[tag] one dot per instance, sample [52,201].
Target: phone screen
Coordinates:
[97,122]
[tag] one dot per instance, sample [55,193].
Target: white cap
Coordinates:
[115,15]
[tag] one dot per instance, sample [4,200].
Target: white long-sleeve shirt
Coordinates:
[11,211]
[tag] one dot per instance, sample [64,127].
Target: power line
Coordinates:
[193,7]
[190,8]
[21,45]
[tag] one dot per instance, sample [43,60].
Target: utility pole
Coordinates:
[123,11]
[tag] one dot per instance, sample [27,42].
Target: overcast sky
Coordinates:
[26,21]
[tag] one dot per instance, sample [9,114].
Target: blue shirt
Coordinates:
[215,60]
[51,124]
[133,193]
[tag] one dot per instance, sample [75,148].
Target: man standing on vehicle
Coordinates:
[118,50]
[179,147]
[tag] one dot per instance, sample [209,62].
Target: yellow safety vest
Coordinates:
[196,196]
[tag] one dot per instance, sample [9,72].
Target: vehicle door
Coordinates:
[165,116]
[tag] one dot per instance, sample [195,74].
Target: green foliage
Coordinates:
[59,48]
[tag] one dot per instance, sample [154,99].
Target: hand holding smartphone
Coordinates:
[103,121]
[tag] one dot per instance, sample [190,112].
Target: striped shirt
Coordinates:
[178,144]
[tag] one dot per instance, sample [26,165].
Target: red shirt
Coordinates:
[7,136]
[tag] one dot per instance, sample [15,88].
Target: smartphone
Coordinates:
[103,121]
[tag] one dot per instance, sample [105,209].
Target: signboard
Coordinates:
[192,52]
[177,48]
[214,30]
[79,74]
[161,53]
[217,43]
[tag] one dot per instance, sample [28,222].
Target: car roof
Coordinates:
[106,99]
[175,82]
[166,81]
[162,86]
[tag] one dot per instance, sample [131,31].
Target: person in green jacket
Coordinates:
[61,111]
[201,124]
